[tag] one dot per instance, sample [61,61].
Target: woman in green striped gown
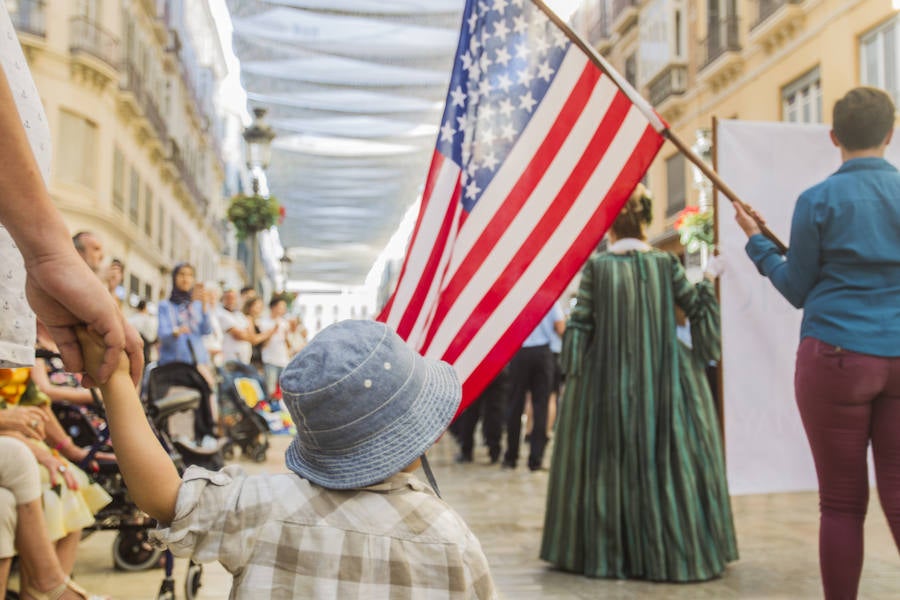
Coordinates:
[637,484]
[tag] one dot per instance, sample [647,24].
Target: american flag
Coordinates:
[537,153]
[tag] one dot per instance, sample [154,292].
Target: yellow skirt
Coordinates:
[68,510]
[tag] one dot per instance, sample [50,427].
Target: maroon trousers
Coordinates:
[846,400]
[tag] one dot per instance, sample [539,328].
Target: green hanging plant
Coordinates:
[250,214]
[695,228]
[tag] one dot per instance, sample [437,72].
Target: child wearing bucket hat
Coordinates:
[350,520]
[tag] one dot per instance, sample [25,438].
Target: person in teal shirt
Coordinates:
[843,270]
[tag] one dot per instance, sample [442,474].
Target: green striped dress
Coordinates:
[637,484]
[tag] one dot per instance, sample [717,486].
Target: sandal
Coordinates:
[57,592]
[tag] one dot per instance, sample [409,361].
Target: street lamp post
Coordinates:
[258,137]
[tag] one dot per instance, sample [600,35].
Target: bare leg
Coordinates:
[5,564]
[66,548]
[39,568]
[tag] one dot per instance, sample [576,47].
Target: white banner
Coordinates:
[767,165]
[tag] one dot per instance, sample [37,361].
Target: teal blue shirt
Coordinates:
[843,265]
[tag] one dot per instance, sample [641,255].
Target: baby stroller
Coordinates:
[179,388]
[244,426]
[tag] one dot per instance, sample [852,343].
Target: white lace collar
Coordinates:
[627,245]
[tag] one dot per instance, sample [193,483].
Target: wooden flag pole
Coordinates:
[722,186]
[601,64]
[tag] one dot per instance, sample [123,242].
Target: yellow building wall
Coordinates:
[824,34]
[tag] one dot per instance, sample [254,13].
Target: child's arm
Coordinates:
[150,475]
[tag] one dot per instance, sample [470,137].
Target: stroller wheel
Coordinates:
[132,551]
[258,453]
[192,582]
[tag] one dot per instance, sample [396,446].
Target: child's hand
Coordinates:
[92,347]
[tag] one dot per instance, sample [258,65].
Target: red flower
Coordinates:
[282,213]
[685,212]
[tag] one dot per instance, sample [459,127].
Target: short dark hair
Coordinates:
[247,288]
[863,118]
[78,239]
[276,299]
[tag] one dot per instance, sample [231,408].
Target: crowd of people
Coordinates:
[637,486]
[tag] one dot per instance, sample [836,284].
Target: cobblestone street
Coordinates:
[776,536]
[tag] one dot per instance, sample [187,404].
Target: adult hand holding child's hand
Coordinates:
[93,350]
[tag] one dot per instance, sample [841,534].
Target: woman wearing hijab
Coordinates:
[183,321]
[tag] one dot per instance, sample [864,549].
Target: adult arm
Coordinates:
[60,287]
[795,273]
[58,393]
[150,475]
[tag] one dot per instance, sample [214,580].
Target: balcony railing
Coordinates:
[672,81]
[88,37]
[722,37]
[187,177]
[133,82]
[768,7]
[28,17]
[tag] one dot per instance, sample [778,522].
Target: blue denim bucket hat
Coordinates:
[365,404]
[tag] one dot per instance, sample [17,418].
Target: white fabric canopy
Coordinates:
[354,90]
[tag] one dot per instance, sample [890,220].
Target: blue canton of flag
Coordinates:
[508,55]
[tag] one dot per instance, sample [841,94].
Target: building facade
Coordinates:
[130,93]
[761,60]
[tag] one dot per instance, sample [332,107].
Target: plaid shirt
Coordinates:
[281,536]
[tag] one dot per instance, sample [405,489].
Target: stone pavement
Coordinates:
[777,537]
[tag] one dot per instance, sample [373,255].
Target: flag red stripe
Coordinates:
[496,357]
[428,274]
[517,197]
[434,170]
[422,280]
[532,244]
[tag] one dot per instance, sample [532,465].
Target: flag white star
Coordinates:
[473,19]
[503,82]
[482,7]
[541,45]
[506,107]
[472,190]
[523,51]
[501,30]
[484,87]
[544,71]
[525,76]
[474,73]
[508,132]
[500,5]
[486,113]
[520,25]
[490,161]
[560,40]
[503,56]
[447,132]
[474,45]
[484,62]
[459,96]
[463,122]
[488,136]
[527,102]
[466,60]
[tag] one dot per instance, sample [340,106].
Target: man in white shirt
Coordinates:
[236,343]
